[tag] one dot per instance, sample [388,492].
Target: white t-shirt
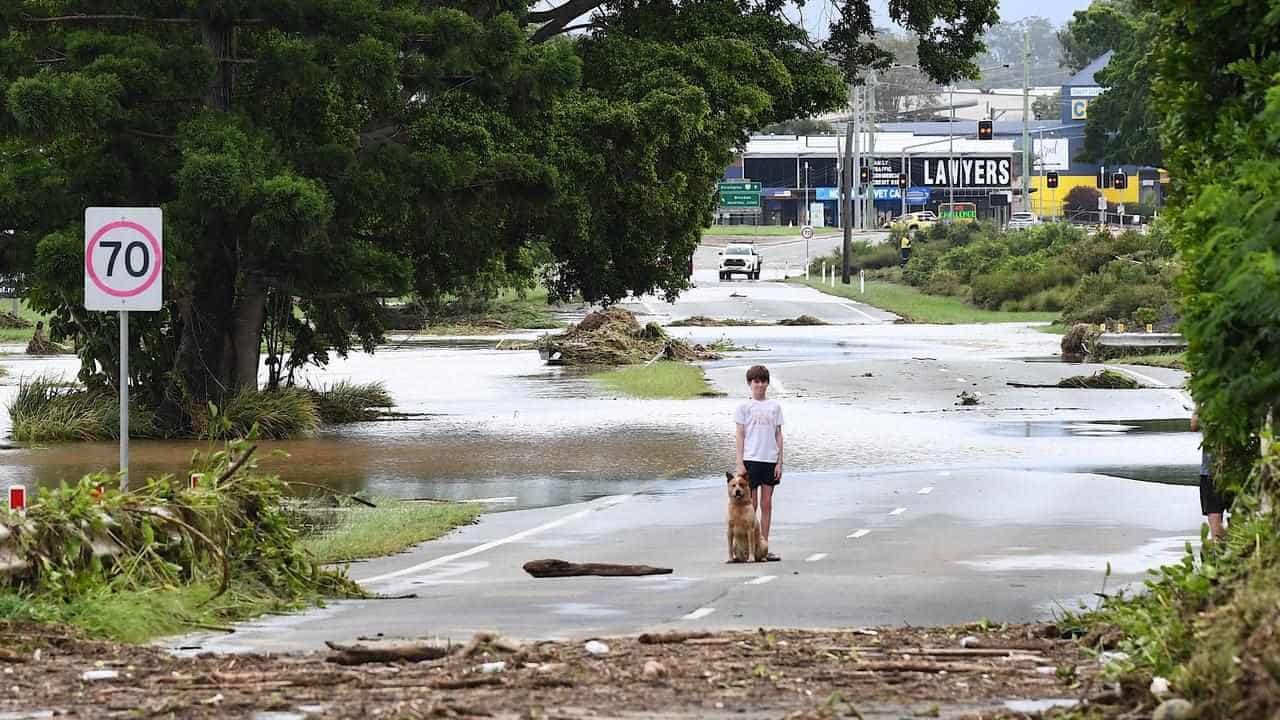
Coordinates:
[760,420]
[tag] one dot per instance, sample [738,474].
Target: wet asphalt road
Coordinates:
[898,505]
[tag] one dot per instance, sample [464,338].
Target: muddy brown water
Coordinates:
[503,424]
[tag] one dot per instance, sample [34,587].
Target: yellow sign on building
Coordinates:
[1079,109]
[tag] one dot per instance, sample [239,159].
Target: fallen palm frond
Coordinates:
[91,540]
[614,337]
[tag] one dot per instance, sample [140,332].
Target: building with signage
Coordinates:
[801,174]
[1056,146]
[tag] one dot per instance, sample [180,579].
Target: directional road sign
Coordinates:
[739,194]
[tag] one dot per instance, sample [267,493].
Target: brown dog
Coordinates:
[745,541]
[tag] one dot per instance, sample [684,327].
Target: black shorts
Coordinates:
[760,473]
[1213,500]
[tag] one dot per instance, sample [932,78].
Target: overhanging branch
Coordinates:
[559,18]
[129,18]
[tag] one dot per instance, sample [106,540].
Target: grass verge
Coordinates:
[393,526]
[20,335]
[671,380]
[1176,361]
[508,311]
[917,307]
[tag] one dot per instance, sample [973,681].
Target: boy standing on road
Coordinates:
[759,443]
[1213,502]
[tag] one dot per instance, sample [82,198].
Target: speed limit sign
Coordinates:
[806,232]
[123,258]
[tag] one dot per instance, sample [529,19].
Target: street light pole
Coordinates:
[951,148]
[806,193]
[1026,111]
[846,193]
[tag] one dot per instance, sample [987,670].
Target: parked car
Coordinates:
[1022,220]
[742,259]
[922,220]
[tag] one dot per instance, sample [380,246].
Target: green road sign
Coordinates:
[739,194]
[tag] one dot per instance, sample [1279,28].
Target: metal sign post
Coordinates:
[123,259]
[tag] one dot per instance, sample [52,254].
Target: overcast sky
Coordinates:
[1010,10]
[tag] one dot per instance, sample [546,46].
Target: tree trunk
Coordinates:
[219,40]
[246,328]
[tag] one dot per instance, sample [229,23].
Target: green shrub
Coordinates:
[348,402]
[278,414]
[48,409]
[862,256]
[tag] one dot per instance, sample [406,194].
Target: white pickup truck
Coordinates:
[742,259]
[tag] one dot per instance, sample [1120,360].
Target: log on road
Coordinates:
[386,652]
[563,568]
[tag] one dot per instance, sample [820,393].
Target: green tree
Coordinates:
[1091,32]
[315,156]
[799,126]
[1217,87]
[1123,124]
[1047,107]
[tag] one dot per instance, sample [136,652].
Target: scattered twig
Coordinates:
[390,652]
[222,557]
[226,475]
[671,637]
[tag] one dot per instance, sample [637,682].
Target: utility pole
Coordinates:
[951,147]
[846,192]
[1026,112]
[857,154]
[868,217]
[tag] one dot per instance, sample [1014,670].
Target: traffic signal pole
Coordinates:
[846,192]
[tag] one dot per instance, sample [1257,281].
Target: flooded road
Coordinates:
[501,423]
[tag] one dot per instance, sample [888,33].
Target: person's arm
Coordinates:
[777,468]
[740,437]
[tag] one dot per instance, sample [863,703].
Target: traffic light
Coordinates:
[1051,180]
[864,175]
[1119,181]
[985,130]
[902,181]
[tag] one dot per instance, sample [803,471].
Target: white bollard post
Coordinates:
[824,273]
[862,283]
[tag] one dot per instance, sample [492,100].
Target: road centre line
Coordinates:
[607,503]
[897,511]
[925,490]
[761,580]
[815,557]
[857,534]
[699,613]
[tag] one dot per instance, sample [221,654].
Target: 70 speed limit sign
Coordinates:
[123,258]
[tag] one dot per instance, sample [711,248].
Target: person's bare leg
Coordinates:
[766,510]
[1216,530]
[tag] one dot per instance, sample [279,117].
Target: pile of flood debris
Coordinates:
[615,337]
[927,672]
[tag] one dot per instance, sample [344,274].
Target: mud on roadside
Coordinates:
[882,672]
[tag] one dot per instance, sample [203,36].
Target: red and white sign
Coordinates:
[806,232]
[17,498]
[123,258]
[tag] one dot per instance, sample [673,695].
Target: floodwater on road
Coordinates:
[501,423]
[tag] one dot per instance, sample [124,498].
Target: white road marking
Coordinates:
[857,534]
[859,311]
[925,490]
[699,613]
[945,473]
[605,503]
[761,580]
[897,511]
[494,500]
[815,557]
[1180,395]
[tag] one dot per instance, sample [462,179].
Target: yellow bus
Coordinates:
[958,212]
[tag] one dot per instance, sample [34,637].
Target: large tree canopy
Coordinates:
[316,156]
[1123,127]
[1217,69]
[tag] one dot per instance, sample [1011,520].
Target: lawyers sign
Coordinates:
[967,172]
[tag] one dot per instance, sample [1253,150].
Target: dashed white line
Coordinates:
[857,534]
[699,613]
[599,505]
[815,557]
[897,511]
[944,473]
[925,490]
[761,580]
[858,310]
